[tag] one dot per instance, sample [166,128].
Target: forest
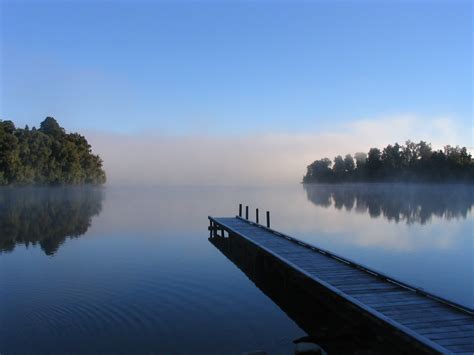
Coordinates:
[412,162]
[46,156]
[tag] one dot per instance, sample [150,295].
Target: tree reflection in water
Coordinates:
[46,216]
[410,203]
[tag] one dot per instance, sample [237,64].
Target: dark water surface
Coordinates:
[130,270]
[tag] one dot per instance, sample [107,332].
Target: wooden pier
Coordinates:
[418,321]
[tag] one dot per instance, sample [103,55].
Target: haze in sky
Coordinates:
[238,92]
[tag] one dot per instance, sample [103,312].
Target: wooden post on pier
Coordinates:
[256,215]
[214,229]
[268,219]
[246,212]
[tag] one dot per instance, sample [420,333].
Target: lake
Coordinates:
[131,270]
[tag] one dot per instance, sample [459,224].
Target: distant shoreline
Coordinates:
[430,183]
[412,162]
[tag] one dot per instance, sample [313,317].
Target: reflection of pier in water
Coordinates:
[411,203]
[46,216]
[404,318]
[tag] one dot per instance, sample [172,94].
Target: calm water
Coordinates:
[130,270]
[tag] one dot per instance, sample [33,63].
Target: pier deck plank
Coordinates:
[441,325]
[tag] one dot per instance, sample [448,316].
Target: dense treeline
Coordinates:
[409,162]
[46,156]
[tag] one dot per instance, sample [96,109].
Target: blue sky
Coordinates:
[180,68]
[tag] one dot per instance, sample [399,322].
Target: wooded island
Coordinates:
[46,156]
[412,162]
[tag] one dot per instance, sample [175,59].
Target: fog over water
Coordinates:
[211,158]
[129,269]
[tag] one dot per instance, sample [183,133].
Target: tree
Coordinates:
[361,159]
[349,164]
[46,156]
[319,171]
[409,162]
[10,163]
[338,167]
[409,154]
[392,161]
[374,162]
[423,150]
[391,156]
[51,127]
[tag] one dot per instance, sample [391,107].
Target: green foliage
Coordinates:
[349,164]
[409,162]
[46,156]
[338,168]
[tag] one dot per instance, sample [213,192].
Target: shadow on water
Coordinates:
[325,321]
[409,203]
[46,216]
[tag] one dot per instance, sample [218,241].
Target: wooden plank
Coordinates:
[348,274]
[406,318]
[468,341]
[309,263]
[322,260]
[436,309]
[381,292]
[398,302]
[333,270]
[446,329]
[358,279]
[461,349]
[437,324]
[412,307]
[419,323]
[330,264]
[352,282]
[334,277]
[451,335]
[294,251]
[398,295]
[337,270]
[443,323]
[335,274]
[388,305]
[348,280]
